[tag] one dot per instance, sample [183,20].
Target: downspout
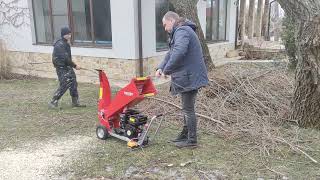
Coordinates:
[140,39]
[237,24]
[268,36]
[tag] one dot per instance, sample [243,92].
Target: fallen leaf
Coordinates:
[170,165]
[186,163]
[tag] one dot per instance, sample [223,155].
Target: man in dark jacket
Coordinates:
[62,61]
[185,64]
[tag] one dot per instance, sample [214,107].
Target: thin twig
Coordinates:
[200,115]
[272,170]
[204,173]
[297,149]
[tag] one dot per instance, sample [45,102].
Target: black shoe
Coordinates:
[79,105]
[187,143]
[53,104]
[181,137]
[76,103]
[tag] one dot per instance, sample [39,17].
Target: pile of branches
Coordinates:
[250,102]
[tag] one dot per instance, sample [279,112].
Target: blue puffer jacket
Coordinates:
[184,61]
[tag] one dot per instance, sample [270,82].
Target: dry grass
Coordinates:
[252,144]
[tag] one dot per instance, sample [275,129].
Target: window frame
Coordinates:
[161,48]
[210,41]
[93,44]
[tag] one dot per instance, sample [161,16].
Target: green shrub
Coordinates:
[288,37]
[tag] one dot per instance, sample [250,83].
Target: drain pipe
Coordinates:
[237,24]
[140,39]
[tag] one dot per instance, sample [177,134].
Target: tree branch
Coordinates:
[200,115]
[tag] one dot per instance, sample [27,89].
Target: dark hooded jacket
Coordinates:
[61,56]
[184,61]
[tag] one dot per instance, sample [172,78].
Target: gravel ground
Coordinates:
[42,160]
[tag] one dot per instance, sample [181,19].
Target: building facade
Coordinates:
[106,34]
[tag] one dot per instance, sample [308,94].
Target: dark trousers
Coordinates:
[68,80]
[188,108]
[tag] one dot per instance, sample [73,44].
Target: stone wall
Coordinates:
[219,50]
[119,71]
[39,64]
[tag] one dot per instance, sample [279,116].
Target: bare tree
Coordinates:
[265,19]
[188,9]
[242,27]
[258,19]
[251,18]
[276,21]
[306,100]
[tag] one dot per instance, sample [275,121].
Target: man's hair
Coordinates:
[171,16]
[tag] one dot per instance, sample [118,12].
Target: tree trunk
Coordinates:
[258,19]
[276,23]
[265,19]
[251,19]
[188,9]
[242,26]
[306,100]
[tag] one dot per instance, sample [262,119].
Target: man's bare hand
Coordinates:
[158,73]
[78,67]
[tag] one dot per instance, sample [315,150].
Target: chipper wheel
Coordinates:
[102,132]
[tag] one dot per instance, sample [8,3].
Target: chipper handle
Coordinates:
[145,132]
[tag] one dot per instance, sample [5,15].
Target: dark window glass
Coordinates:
[42,21]
[102,21]
[216,20]
[89,20]
[59,16]
[81,21]
[162,6]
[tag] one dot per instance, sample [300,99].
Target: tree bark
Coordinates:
[265,19]
[306,100]
[258,19]
[251,19]
[242,26]
[276,21]
[188,9]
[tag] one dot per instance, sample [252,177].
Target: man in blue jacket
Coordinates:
[185,64]
[62,61]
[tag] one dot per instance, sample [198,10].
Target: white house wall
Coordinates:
[148,30]
[124,31]
[120,61]
[123,34]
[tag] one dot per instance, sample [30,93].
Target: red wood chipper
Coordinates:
[116,116]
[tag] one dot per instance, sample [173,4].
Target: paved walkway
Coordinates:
[223,61]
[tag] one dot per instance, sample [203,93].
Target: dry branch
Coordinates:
[200,115]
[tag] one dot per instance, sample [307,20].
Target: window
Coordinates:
[162,6]
[42,25]
[216,15]
[89,20]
